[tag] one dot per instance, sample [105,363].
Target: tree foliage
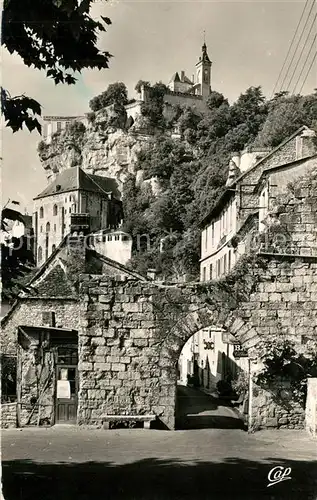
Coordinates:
[63,44]
[116,93]
[17,259]
[192,170]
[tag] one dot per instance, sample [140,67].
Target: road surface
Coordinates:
[71,463]
[197,410]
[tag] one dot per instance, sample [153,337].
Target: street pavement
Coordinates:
[69,462]
[198,410]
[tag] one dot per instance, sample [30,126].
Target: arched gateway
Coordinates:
[128,333]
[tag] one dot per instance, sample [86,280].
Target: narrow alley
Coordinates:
[197,410]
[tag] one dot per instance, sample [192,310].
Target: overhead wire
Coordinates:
[297,45]
[301,53]
[304,65]
[289,48]
[310,67]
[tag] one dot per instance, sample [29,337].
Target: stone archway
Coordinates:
[132,332]
[187,326]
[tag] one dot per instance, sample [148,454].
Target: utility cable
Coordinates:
[289,49]
[304,65]
[310,67]
[300,39]
[302,51]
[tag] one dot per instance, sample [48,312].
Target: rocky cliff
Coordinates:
[104,147]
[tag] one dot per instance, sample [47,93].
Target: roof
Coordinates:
[285,166]
[73,179]
[226,194]
[175,78]
[51,273]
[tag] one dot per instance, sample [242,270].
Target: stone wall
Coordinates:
[132,333]
[311,407]
[127,356]
[29,312]
[286,153]
[8,415]
[276,408]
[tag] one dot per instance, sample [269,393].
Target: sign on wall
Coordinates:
[239,352]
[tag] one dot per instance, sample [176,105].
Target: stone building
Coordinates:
[91,338]
[255,179]
[73,191]
[55,124]
[182,91]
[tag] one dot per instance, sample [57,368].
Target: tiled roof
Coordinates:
[75,178]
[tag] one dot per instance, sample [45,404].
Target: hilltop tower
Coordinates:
[203,73]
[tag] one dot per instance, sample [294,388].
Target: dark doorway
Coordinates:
[66,385]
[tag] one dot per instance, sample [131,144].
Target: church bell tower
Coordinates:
[203,73]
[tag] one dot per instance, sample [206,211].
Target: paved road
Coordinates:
[70,463]
[197,410]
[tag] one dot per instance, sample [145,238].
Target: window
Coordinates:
[229,260]
[204,273]
[48,227]
[55,210]
[213,234]
[39,254]
[70,209]
[53,248]
[125,238]
[210,271]
[218,268]
[117,237]
[55,228]
[206,238]
[109,238]
[70,198]
[41,213]
[225,263]
[41,229]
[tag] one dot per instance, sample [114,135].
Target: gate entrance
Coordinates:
[66,385]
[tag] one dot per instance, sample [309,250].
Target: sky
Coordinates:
[150,40]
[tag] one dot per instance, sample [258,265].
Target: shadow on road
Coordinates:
[154,479]
[197,410]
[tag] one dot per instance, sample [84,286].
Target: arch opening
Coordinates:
[199,360]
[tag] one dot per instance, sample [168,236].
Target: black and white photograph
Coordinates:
[158,250]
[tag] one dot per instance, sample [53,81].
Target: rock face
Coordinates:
[102,149]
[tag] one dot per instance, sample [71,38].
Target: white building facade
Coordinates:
[255,179]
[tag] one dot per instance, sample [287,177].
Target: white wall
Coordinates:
[115,245]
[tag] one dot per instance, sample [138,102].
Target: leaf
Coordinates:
[106,20]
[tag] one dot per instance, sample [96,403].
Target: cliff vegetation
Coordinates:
[171,161]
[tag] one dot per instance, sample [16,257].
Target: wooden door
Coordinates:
[66,394]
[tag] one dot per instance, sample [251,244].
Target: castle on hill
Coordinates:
[182,90]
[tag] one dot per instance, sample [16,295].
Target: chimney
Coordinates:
[77,244]
[232,173]
[182,76]
[151,274]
